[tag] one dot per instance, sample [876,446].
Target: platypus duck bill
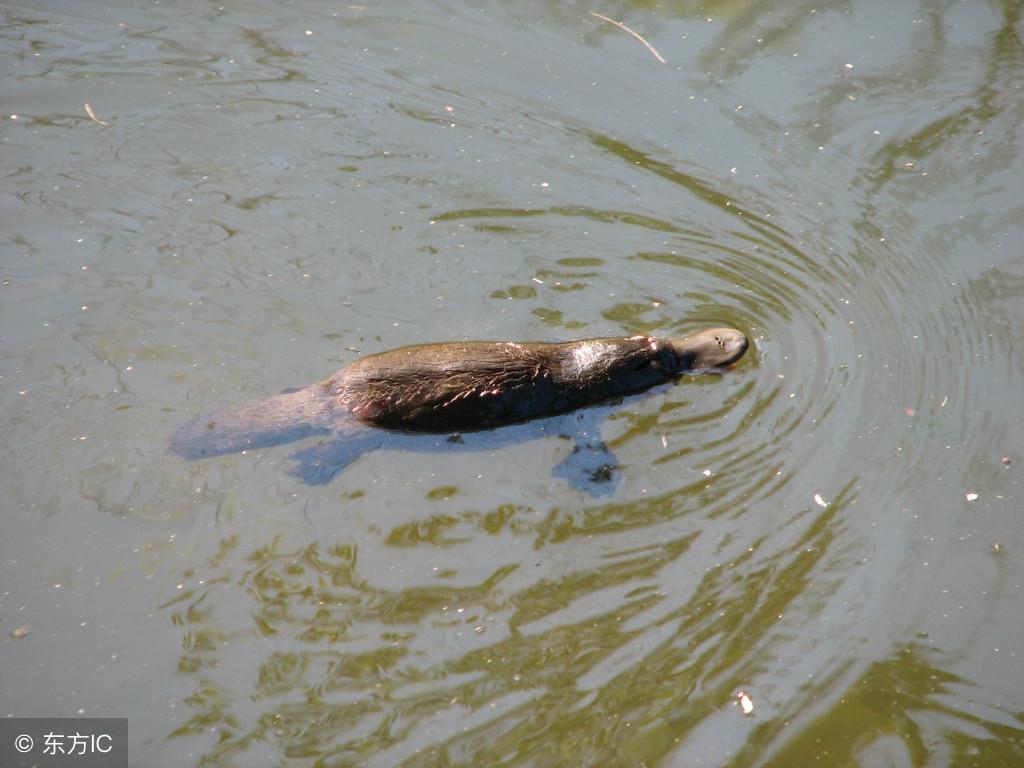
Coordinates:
[705,349]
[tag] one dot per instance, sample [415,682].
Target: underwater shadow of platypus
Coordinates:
[418,394]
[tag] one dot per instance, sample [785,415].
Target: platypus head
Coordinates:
[710,348]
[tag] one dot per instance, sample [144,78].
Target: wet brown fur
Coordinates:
[473,385]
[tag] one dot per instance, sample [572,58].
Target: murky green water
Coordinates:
[258,192]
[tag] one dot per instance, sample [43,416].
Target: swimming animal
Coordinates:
[460,387]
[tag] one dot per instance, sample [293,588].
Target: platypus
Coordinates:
[460,386]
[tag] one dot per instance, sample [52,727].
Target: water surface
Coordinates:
[260,192]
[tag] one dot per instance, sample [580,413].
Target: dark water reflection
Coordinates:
[626,684]
[263,192]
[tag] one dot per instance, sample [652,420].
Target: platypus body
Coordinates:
[460,387]
[464,386]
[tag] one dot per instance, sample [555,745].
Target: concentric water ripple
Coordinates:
[696,459]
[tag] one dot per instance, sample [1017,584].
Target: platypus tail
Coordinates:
[260,423]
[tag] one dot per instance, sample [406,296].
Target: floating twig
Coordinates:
[637,35]
[92,115]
